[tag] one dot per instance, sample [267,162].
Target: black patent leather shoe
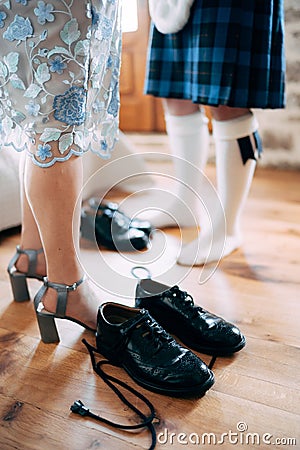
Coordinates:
[110,232]
[194,326]
[142,225]
[131,338]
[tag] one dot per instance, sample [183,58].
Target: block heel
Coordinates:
[47,327]
[18,282]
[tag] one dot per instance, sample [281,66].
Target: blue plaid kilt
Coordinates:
[231,52]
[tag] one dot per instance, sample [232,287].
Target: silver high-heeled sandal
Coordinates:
[18,280]
[46,320]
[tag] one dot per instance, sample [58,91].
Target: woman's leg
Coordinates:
[30,236]
[234,177]
[54,197]
[188,139]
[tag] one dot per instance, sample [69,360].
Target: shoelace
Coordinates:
[121,219]
[151,330]
[184,299]
[147,421]
[156,334]
[118,219]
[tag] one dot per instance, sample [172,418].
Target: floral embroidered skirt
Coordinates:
[59,77]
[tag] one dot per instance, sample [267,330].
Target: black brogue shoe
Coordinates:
[197,328]
[131,338]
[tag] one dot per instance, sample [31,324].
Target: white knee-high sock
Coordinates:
[233,176]
[234,142]
[189,141]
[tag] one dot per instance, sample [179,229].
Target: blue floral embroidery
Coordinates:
[43,12]
[109,63]
[104,145]
[33,108]
[95,17]
[57,65]
[23,2]
[3,16]
[43,52]
[113,106]
[70,106]
[98,106]
[105,31]
[19,29]
[44,151]
[78,109]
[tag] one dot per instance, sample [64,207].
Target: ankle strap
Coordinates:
[64,287]
[62,294]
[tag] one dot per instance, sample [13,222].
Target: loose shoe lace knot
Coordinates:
[183,299]
[156,334]
[151,329]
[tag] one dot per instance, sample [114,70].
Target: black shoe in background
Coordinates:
[197,328]
[131,338]
[143,225]
[111,232]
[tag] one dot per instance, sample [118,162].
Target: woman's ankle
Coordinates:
[67,278]
[82,303]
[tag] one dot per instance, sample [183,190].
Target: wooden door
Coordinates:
[139,112]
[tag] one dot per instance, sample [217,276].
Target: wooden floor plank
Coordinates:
[257,287]
[35,428]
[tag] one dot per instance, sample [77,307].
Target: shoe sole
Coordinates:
[194,391]
[210,350]
[189,391]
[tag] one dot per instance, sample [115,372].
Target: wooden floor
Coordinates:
[257,390]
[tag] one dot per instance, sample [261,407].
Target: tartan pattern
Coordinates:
[231,52]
